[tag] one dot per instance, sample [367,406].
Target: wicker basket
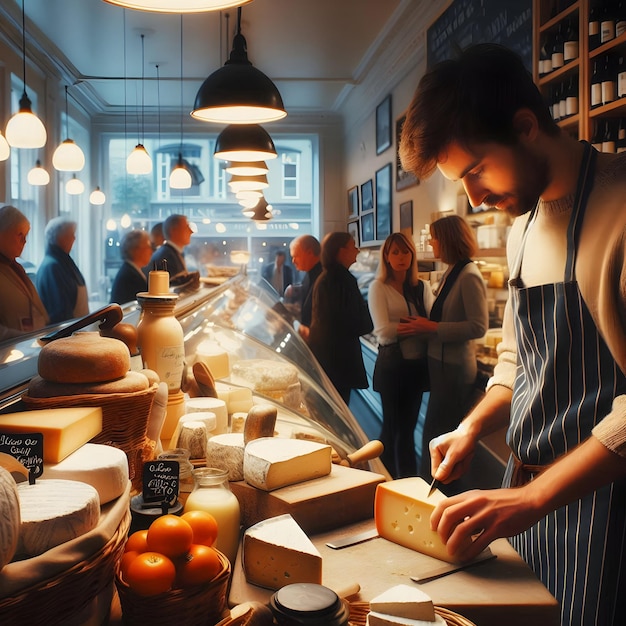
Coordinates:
[124,422]
[58,599]
[200,605]
[359,611]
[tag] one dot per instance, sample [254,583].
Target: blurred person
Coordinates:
[136,250]
[177,232]
[396,298]
[156,235]
[339,316]
[305,254]
[278,274]
[59,281]
[21,309]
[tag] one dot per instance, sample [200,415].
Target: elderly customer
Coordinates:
[21,309]
[59,281]
[177,233]
[136,250]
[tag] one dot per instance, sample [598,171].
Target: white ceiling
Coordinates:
[314,50]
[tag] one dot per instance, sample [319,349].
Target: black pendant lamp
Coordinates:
[238,93]
[244,142]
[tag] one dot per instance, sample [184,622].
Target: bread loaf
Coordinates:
[129,383]
[84,357]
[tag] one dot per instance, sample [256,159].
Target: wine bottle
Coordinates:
[596,84]
[608,87]
[596,138]
[571,98]
[621,76]
[555,106]
[570,42]
[621,136]
[545,59]
[594,27]
[563,101]
[607,22]
[557,48]
[620,18]
[609,138]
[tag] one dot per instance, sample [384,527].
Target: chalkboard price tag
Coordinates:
[160,481]
[27,449]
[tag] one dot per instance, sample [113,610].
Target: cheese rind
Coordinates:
[402,512]
[64,430]
[273,462]
[277,552]
[103,467]
[404,601]
[226,452]
[55,511]
[381,619]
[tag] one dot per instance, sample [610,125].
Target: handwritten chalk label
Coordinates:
[26,448]
[160,481]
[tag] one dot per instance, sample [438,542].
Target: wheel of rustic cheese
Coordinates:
[84,358]
[129,383]
[9,517]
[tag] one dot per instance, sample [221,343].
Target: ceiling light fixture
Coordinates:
[74,186]
[139,161]
[68,157]
[247,183]
[238,93]
[178,6]
[38,176]
[261,212]
[241,168]
[25,129]
[5,148]
[97,197]
[180,178]
[249,143]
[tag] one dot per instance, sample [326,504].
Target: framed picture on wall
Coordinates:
[383,202]
[353,202]
[367,228]
[367,196]
[383,125]
[403,179]
[406,218]
[353,229]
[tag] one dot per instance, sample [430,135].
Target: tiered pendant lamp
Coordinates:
[261,212]
[244,142]
[247,183]
[139,161]
[241,168]
[68,157]
[178,6]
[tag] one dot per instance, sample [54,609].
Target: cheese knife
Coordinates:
[432,488]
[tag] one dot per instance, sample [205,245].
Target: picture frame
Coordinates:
[383,202]
[367,229]
[406,218]
[404,179]
[353,229]
[353,202]
[383,125]
[367,196]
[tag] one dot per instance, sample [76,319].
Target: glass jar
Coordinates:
[185,469]
[308,604]
[212,493]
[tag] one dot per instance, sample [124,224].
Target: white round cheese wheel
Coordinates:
[214,357]
[103,467]
[265,375]
[226,452]
[203,404]
[55,511]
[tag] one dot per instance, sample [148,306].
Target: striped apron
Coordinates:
[566,382]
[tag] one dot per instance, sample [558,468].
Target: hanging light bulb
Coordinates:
[178,6]
[253,168]
[111,225]
[249,143]
[125,222]
[25,129]
[97,197]
[74,186]
[38,176]
[5,149]
[68,157]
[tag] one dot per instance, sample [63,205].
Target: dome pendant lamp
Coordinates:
[5,149]
[68,157]
[238,93]
[25,129]
[139,161]
[178,6]
[244,142]
[97,197]
[38,176]
[74,186]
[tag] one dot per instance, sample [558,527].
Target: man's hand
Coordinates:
[451,454]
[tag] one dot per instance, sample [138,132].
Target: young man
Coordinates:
[560,380]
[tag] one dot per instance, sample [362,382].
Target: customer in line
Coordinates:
[177,233]
[21,309]
[59,281]
[156,236]
[136,250]
[396,298]
[278,273]
[340,316]
[560,381]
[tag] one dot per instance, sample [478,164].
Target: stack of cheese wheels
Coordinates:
[274,379]
[403,606]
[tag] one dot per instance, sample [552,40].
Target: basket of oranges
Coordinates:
[172,574]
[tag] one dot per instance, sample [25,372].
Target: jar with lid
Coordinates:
[212,493]
[185,469]
[308,604]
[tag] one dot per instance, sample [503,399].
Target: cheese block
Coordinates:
[214,357]
[402,510]
[273,462]
[103,467]
[238,422]
[205,404]
[260,422]
[277,552]
[131,382]
[346,491]
[206,417]
[84,357]
[53,512]
[381,619]
[193,437]
[404,601]
[226,452]
[64,430]
[237,399]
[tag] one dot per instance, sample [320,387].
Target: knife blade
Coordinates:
[433,486]
[444,570]
[338,544]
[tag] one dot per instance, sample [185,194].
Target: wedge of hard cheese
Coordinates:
[404,601]
[402,510]
[277,552]
[273,462]
[64,430]
[381,619]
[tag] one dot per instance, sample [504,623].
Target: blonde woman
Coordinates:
[396,298]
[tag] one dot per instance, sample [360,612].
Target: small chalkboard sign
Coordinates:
[160,481]
[467,22]
[27,449]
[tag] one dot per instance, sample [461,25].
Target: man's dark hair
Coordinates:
[470,99]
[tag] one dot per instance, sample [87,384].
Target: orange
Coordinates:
[150,573]
[200,565]
[125,561]
[170,535]
[204,526]
[137,542]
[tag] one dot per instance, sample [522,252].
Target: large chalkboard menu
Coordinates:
[465,22]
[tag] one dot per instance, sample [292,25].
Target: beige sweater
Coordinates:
[600,271]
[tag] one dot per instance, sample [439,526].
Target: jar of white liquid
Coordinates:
[212,493]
